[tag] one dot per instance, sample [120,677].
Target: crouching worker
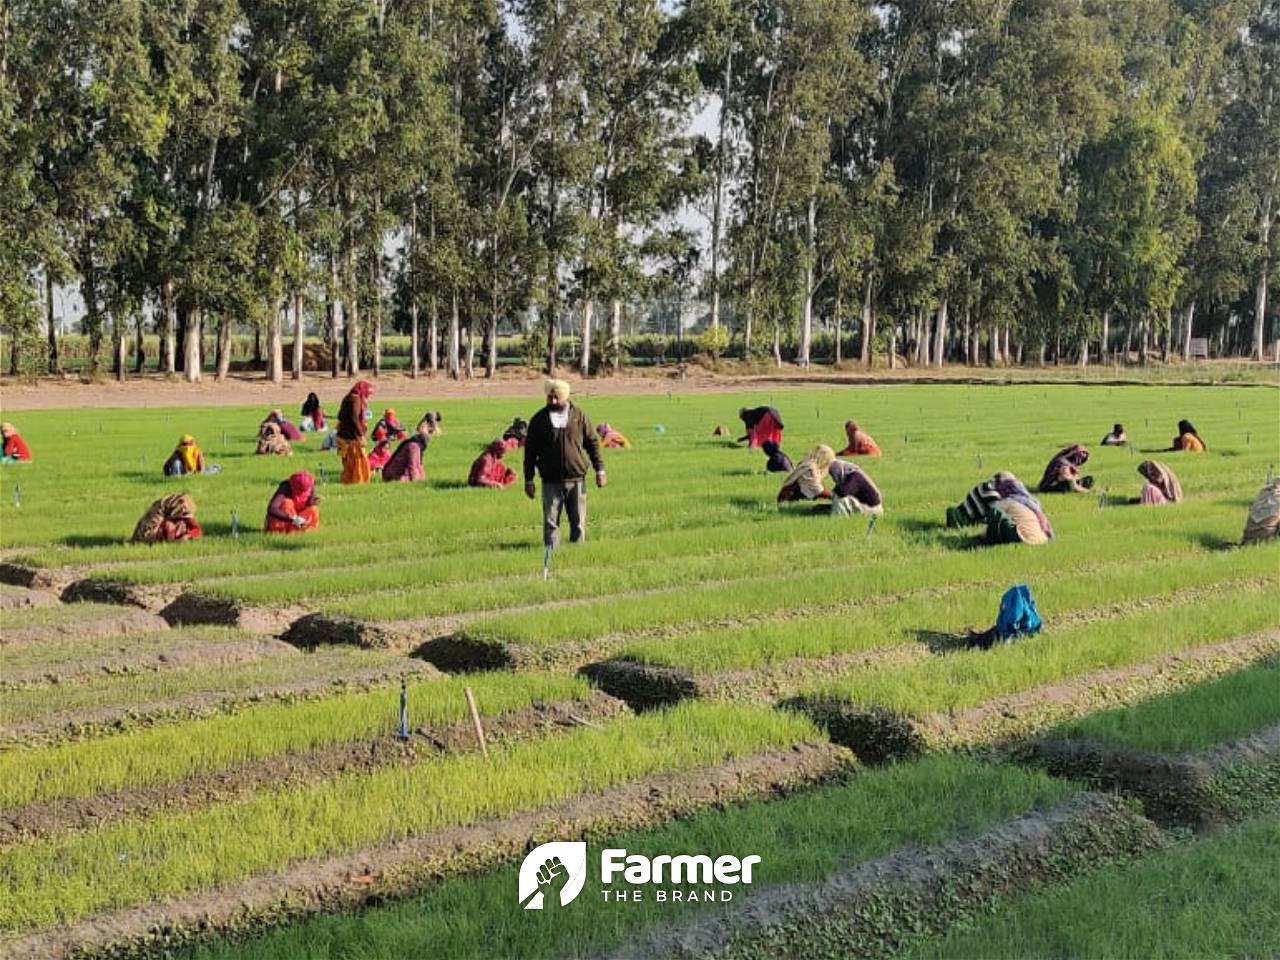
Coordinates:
[805,481]
[294,506]
[1162,485]
[852,490]
[860,442]
[15,449]
[762,423]
[1188,439]
[976,505]
[406,464]
[272,441]
[1062,475]
[1116,438]
[777,462]
[186,458]
[611,438]
[389,427]
[1263,523]
[168,519]
[1016,521]
[488,470]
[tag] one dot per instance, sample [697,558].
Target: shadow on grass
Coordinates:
[944,643]
[448,484]
[83,540]
[1211,541]
[939,534]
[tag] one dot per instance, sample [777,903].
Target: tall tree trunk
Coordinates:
[299,337]
[893,345]
[352,325]
[940,333]
[1005,353]
[1260,306]
[376,314]
[777,346]
[491,340]
[868,324]
[615,333]
[1188,321]
[275,342]
[224,347]
[717,207]
[588,312]
[118,329]
[191,333]
[838,352]
[333,318]
[806,315]
[1105,351]
[433,335]
[140,346]
[455,333]
[168,329]
[54,366]
[993,346]
[1129,329]
[415,366]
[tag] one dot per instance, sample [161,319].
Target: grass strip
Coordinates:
[803,837]
[165,754]
[968,677]
[1224,709]
[71,877]
[1214,897]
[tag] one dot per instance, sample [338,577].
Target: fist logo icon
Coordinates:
[553,874]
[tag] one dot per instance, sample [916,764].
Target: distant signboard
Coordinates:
[1199,348]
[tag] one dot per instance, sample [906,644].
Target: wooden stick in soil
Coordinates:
[475,721]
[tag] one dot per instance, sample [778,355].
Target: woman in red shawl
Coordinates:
[389,427]
[293,507]
[405,465]
[352,426]
[762,423]
[488,470]
[15,448]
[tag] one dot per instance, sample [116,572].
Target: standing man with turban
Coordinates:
[559,447]
[352,426]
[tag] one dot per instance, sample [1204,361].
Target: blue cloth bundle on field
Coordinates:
[1018,615]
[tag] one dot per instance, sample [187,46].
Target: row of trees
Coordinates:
[956,180]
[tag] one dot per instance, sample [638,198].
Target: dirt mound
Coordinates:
[115,621]
[24,598]
[190,609]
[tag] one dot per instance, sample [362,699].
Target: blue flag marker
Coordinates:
[1102,500]
[17,491]
[871,525]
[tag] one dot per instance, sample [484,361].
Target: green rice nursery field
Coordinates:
[205,754]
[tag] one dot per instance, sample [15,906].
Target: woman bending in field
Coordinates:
[805,481]
[294,506]
[271,441]
[611,438]
[1062,475]
[777,461]
[976,505]
[168,519]
[853,491]
[1015,520]
[15,449]
[312,413]
[1116,438]
[518,431]
[1263,522]
[389,427]
[405,465]
[762,423]
[1188,440]
[860,442]
[290,431]
[488,470]
[1161,487]
[352,426]
[186,458]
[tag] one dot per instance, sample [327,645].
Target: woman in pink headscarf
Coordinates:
[1162,485]
[294,506]
[1062,475]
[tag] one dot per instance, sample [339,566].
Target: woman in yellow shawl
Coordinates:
[352,426]
[186,458]
[805,481]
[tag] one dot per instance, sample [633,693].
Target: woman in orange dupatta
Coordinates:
[860,442]
[352,425]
